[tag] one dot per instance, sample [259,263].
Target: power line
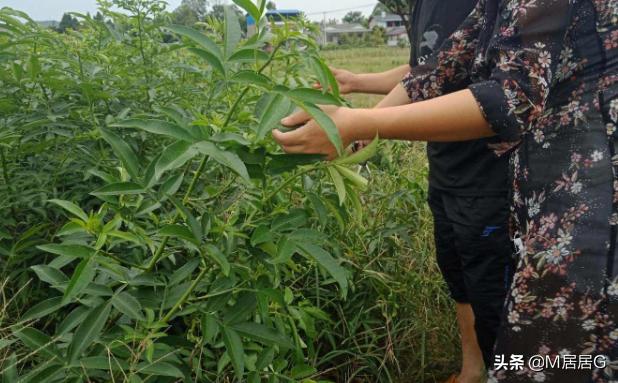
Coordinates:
[341,10]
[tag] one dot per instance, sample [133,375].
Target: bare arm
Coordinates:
[397,97]
[381,83]
[373,83]
[454,117]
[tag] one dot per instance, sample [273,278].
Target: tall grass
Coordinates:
[399,238]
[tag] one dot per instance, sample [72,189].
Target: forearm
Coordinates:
[454,117]
[397,97]
[380,83]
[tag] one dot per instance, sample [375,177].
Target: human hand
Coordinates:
[310,138]
[345,79]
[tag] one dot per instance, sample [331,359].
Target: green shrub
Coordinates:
[152,231]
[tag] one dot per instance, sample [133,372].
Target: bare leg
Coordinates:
[472,369]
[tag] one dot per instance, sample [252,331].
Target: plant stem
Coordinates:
[248,87]
[7,181]
[161,248]
[185,296]
[159,253]
[289,181]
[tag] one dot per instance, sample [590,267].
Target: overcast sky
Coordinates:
[53,9]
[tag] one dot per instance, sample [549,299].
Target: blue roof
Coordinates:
[282,12]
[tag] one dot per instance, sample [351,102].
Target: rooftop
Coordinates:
[396,31]
[385,17]
[345,28]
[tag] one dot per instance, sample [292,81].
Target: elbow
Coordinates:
[497,111]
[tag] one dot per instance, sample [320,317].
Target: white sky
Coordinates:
[53,9]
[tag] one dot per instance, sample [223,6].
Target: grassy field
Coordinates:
[367,60]
[427,338]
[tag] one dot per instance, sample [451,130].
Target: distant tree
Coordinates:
[271,6]
[67,22]
[355,17]
[99,17]
[378,36]
[403,9]
[184,15]
[218,12]
[199,7]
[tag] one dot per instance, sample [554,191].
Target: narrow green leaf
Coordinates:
[361,156]
[325,75]
[171,186]
[123,151]
[210,327]
[42,309]
[312,96]
[245,306]
[9,373]
[184,272]
[103,363]
[72,320]
[326,124]
[262,334]
[159,127]
[71,251]
[250,8]
[232,31]
[217,255]
[282,163]
[37,341]
[179,232]
[212,59]
[50,275]
[277,108]
[121,188]
[128,305]
[325,260]
[88,331]
[197,37]
[339,184]
[81,278]
[159,368]
[303,371]
[71,208]
[45,372]
[286,248]
[235,350]
[4,343]
[227,159]
[260,235]
[253,78]
[194,225]
[249,55]
[355,178]
[174,156]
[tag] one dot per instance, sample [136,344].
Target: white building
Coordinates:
[396,36]
[386,21]
[332,33]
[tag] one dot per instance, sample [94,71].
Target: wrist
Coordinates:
[359,82]
[359,126]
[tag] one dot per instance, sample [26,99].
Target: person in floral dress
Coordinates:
[543,76]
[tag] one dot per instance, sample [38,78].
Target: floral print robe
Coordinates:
[545,75]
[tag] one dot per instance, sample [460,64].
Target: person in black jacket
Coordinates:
[468,196]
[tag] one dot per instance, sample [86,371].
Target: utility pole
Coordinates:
[324,39]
